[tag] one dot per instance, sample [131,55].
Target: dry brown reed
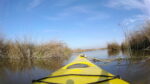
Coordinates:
[113,46]
[138,40]
[26,49]
[84,50]
[52,49]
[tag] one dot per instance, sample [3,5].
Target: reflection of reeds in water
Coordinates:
[138,66]
[113,52]
[130,56]
[15,65]
[50,64]
[19,65]
[113,46]
[113,49]
[136,56]
[136,53]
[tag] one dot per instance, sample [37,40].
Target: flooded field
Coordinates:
[132,67]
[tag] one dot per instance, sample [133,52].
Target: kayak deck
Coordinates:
[81,71]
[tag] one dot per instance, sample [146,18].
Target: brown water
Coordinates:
[133,67]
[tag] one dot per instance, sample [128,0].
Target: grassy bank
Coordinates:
[138,40]
[26,49]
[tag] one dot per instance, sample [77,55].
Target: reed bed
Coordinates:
[113,46]
[134,40]
[85,50]
[26,49]
[52,49]
[138,40]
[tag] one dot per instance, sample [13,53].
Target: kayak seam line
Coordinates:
[101,81]
[39,80]
[75,75]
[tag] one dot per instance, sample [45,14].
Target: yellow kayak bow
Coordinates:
[81,71]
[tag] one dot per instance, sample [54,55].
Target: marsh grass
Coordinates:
[52,49]
[138,40]
[25,49]
[3,47]
[85,50]
[113,46]
[19,49]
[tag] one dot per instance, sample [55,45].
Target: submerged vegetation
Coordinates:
[25,49]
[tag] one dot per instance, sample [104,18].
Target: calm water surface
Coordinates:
[133,67]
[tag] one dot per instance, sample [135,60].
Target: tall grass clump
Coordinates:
[52,49]
[113,46]
[140,39]
[26,49]
[19,49]
[2,47]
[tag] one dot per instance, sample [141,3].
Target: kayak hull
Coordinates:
[85,73]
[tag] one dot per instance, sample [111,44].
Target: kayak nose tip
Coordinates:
[82,55]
